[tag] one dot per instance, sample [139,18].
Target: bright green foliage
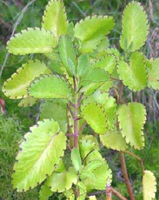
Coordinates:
[131,120]
[28,101]
[92,198]
[58,24]
[55,111]
[46,145]
[16,86]
[96,117]
[32,41]
[134,74]
[49,87]
[67,54]
[45,192]
[108,63]
[92,30]
[76,159]
[149,185]
[82,191]
[134,27]
[61,181]
[113,140]
[153,77]
[83,64]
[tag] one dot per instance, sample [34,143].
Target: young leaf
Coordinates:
[55,19]
[83,64]
[27,102]
[149,185]
[92,30]
[67,54]
[59,182]
[55,111]
[16,86]
[153,75]
[95,116]
[32,41]
[131,121]
[134,27]
[76,159]
[135,75]
[45,192]
[108,63]
[39,153]
[46,87]
[113,140]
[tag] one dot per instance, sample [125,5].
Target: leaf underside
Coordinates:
[49,86]
[149,185]
[135,75]
[39,153]
[92,30]
[131,119]
[16,86]
[32,40]
[134,27]
[55,19]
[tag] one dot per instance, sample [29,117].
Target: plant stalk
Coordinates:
[125,174]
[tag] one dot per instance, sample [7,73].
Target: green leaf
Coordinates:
[39,153]
[59,182]
[55,111]
[108,63]
[76,159]
[69,194]
[134,74]
[153,75]
[67,54]
[149,185]
[48,86]
[32,40]
[91,31]
[82,191]
[92,198]
[134,27]
[27,102]
[91,88]
[131,121]
[95,116]
[113,140]
[16,86]
[83,64]
[45,192]
[55,19]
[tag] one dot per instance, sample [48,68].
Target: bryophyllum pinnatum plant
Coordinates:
[61,153]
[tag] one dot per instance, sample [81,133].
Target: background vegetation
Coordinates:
[16,15]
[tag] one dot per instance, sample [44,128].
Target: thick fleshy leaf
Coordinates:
[49,87]
[55,111]
[32,40]
[153,74]
[95,116]
[67,54]
[134,74]
[45,192]
[149,185]
[108,63]
[59,182]
[83,64]
[27,102]
[131,121]
[91,88]
[16,86]
[134,27]
[113,140]
[39,153]
[76,159]
[92,30]
[69,194]
[55,19]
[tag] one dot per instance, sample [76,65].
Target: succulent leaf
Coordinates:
[153,75]
[45,192]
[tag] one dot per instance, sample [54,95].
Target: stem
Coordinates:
[125,174]
[138,158]
[108,193]
[116,193]
[76,125]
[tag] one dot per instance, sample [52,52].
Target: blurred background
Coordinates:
[16,15]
